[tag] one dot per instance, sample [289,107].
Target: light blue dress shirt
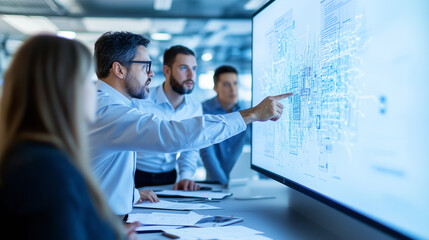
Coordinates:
[158,104]
[121,129]
[219,159]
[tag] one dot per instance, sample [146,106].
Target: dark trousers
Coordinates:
[143,179]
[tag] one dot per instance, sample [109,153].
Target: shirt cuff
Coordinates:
[186,175]
[136,195]
[235,121]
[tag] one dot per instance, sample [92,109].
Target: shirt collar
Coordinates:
[162,98]
[160,95]
[104,87]
[217,106]
[236,107]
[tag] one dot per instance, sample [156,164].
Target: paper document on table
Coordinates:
[154,228]
[220,233]
[166,219]
[196,194]
[175,206]
[217,221]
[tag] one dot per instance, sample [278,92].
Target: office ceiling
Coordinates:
[227,40]
[220,28]
[203,9]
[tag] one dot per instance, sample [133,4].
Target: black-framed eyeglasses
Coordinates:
[147,65]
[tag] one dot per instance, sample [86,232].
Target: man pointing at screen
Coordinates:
[123,67]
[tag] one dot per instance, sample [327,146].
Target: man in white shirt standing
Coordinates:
[123,67]
[170,101]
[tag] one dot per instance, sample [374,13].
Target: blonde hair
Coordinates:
[42,100]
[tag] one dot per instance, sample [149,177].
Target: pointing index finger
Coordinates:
[282,96]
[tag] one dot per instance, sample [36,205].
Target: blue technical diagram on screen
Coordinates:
[356,130]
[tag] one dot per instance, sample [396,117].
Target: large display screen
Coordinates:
[356,132]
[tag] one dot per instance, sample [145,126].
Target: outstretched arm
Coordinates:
[269,109]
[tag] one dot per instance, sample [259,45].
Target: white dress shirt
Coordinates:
[158,104]
[121,129]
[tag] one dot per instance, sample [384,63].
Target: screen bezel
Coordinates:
[307,191]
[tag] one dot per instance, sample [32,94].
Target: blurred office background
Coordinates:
[218,31]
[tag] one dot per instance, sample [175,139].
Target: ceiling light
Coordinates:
[160,36]
[100,25]
[162,5]
[66,34]
[207,56]
[72,6]
[30,25]
[254,4]
[172,26]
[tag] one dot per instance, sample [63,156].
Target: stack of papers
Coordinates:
[169,219]
[153,228]
[196,194]
[157,221]
[220,233]
[217,221]
[174,205]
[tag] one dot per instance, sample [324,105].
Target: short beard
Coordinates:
[179,88]
[134,91]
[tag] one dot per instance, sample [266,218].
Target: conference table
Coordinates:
[270,214]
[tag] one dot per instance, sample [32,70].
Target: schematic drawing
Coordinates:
[321,67]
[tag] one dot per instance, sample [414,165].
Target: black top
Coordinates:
[43,196]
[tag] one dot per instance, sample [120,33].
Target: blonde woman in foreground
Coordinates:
[46,188]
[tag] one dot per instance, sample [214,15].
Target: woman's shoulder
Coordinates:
[42,170]
[33,148]
[37,156]
[38,164]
